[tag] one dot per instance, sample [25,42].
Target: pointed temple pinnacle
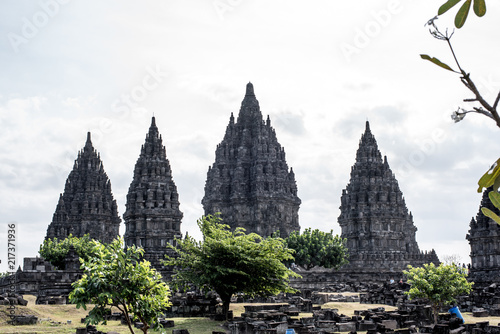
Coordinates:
[153,129]
[88,143]
[249,91]
[367,128]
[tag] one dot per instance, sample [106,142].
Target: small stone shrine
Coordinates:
[484,240]
[87,205]
[250,183]
[373,216]
[152,217]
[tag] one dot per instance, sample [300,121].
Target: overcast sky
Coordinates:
[320,70]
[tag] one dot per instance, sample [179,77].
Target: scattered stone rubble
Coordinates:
[482,302]
[192,304]
[266,319]
[91,330]
[19,320]
[487,298]
[12,299]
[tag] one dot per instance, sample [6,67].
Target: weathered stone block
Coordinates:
[480,312]
[24,320]
[326,324]
[346,327]
[458,330]
[390,324]
[365,325]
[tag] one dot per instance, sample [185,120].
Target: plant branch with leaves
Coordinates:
[492,177]
[479,9]
[485,108]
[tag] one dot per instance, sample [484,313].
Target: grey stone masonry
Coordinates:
[250,183]
[484,240]
[152,216]
[87,205]
[373,215]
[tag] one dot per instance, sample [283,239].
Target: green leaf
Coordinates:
[488,213]
[496,184]
[446,6]
[489,178]
[479,7]
[461,16]
[437,62]
[494,198]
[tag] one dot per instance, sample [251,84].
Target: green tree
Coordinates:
[316,248]
[439,285]
[117,277]
[55,251]
[229,262]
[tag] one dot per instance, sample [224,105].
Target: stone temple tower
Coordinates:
[484,240]
[152,216]
[250,183]
[373,216]
[87,205]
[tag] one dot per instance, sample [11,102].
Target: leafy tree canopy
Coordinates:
[440,285]
[116,277]
[229,262]
[55,251]
[316,248]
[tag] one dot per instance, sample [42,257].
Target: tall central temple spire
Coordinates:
[249,182]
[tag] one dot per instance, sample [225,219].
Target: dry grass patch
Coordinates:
[349,308]
[469,319]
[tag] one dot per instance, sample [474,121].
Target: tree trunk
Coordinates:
[435,311]
[145,325]
[127,318]
[226,300]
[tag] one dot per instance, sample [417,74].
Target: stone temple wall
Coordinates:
[484,240]
[38,277]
